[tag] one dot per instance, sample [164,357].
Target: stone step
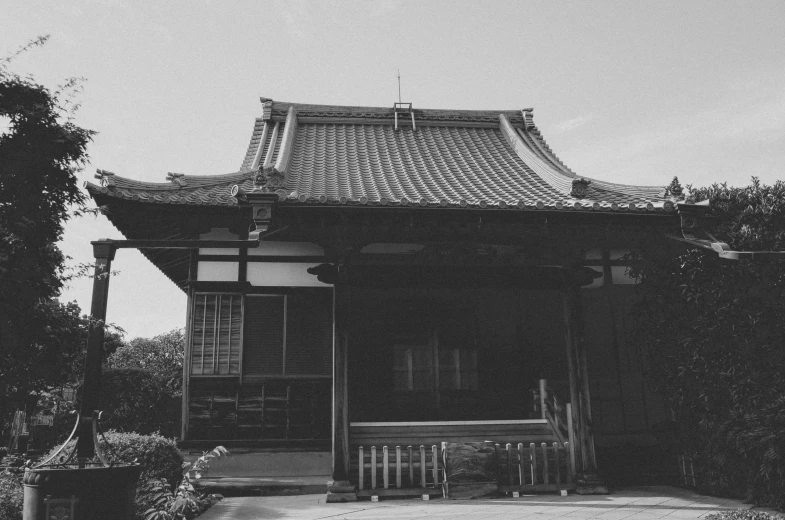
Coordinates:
[263,486]
[246,463]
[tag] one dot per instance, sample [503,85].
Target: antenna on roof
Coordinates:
[399,85]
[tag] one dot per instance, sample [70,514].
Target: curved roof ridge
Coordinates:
[532,130]
[557,179]
[108,178]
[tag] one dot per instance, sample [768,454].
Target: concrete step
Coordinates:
[263,486]
[261,464]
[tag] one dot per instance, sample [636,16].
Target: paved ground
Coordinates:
[645,503]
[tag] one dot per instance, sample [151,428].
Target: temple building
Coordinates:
[373,282]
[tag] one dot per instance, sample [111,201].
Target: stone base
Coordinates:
[341,491]
[590,485]
[333,498]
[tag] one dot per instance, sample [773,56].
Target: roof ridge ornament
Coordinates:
[528,118]
[176,178]
[106,178]
[403,108]
[267,108]
[580,187]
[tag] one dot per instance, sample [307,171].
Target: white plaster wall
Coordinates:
[271,274]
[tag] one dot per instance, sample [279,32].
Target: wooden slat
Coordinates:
[545,476]
[568,450]
[509,463]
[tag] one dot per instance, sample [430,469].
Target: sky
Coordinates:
[626,91]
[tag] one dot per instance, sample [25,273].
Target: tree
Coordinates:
[161,355]
[716,334]
[41,152]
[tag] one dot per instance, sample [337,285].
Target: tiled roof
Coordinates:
[356,155]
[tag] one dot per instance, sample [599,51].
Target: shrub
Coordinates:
[11,497]
[134,400]
[159,456]
[741,514]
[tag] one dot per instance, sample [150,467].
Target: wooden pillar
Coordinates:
[103,251]
[340,489]
[587,478]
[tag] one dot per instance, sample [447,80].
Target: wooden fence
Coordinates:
[401,471]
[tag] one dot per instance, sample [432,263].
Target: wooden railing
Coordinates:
[411,471]
[559,415]
[398,471]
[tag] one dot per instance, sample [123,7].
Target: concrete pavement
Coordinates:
[645,503]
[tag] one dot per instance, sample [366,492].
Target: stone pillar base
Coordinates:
[341,491]
[590,484]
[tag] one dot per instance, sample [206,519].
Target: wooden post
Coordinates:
[386,467]
[340,489]
[533,456]
[103,252]
[545,476]
[435,458]
[398,466]
[361,475]
[422,465]
[411,468]
[373,467]
[521,471]
[557,469]
[543,391]
[587,478]
[509,464]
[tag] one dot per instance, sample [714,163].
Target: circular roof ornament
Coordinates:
[577,205]
[384,201]
[540,204]
[322,199]
[442,202]
[502,204]
[423,202]
[668,205]
[363,200]
[462,203]
[404,201]
[559,205]
[483,204]
[281,195]
[521,204]
[650,206]
[343,200]
[633,206]
[595,206]
[303,197]
[614,206]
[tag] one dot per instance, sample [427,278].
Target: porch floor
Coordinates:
[649,503]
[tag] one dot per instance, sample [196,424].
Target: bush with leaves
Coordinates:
[742,514]
[134,400]
[161,355]
[159,456]
[186,502]
[11,496]
[715,332]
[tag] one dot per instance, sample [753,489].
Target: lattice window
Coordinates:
[217,334]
